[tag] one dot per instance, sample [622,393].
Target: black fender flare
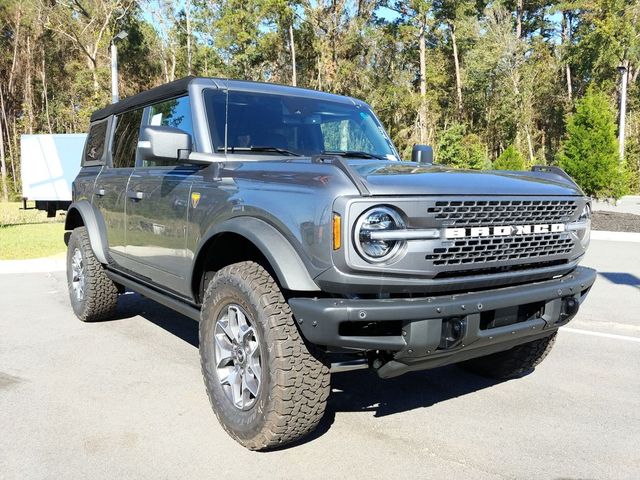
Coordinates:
[94,223]
[291,271]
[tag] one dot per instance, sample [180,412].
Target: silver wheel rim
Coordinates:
[77,274]
[237,356]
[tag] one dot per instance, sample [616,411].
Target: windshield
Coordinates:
[261,123]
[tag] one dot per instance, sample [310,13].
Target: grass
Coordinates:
[29,233]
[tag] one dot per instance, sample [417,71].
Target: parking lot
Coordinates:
[125,399]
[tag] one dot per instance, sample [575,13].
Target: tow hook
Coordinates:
[569,308]
[453,331]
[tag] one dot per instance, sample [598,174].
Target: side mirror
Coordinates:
[164,143]
[422,154]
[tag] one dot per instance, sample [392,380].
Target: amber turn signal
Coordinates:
[337,231]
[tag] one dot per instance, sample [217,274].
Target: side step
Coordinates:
[155,295]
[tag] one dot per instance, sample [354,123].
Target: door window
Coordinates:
[125,139]
[174,113]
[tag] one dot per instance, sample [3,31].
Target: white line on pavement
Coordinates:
[600,334]
[615,236]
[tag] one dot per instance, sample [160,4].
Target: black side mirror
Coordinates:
[164,143]
[422,154]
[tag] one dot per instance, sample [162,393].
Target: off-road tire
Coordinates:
[295,378]
[511,363]
[100,292]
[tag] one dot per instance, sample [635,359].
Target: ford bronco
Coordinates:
[284,221]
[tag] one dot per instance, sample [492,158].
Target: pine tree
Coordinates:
[510,159]
[590,151]
[459,149]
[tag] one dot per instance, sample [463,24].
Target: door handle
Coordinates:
[99,192]
[135,195]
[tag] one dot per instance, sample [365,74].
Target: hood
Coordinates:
[383,177]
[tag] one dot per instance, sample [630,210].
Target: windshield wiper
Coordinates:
[282,151]
[353,154]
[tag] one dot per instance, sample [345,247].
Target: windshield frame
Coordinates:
[223,148]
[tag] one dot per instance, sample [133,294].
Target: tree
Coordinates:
[89,27]
[477,79]
[461,150]
[510,159]
[590,151]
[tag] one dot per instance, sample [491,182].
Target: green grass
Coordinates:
[19,242]
[29,233]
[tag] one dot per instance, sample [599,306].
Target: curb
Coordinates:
[615,236]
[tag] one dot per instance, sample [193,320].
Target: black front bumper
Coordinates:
[418,344]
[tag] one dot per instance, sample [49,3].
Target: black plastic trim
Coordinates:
[319,318]
[344,166]
[156,295]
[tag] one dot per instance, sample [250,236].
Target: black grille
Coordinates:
[501,249]
[501,212]
[501,269]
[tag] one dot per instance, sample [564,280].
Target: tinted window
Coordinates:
[299,124]
[125,139]
[174,113]
[94,147]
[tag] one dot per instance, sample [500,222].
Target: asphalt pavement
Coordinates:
[125,399]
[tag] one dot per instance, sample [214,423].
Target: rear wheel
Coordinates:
[265,385]
[93,295]
[511,363]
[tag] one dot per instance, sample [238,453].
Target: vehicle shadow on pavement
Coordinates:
[621,278]
[364,391]
[355,391]
[132,304]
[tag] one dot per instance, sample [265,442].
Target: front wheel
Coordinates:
[266,386]
[511,363]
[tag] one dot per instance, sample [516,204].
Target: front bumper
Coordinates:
[423,323]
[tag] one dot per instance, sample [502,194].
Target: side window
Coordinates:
[94,146]
[174,113]
[125,139]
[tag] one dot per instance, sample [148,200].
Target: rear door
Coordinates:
[109,194]
[158,197]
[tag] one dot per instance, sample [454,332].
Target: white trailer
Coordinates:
[49,164]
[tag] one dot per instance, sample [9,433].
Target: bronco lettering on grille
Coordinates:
[503,230]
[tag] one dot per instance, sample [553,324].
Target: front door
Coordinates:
[158,197]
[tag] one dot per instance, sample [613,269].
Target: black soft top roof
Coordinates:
[168,90]
[181,86]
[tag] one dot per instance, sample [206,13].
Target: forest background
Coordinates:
[490,84]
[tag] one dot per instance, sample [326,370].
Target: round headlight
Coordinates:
[369,226]
[584,234]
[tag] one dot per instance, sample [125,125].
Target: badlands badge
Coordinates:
[195,198]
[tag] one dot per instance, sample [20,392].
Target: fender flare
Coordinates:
[291,271]
[94,223]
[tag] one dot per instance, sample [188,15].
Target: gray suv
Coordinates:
[283,220]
